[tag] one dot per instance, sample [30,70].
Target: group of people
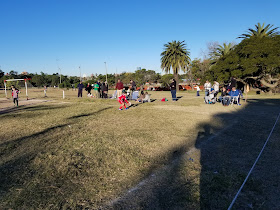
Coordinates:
[229,94]
[100,89]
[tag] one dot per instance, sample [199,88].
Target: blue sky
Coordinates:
[42,35]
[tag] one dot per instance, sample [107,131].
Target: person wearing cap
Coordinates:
[122,100]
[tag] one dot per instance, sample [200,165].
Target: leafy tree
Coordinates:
[54,80]
[38,80]
[254,59]
[260,31]
[176,57]
[142,76]
[199,68]
[165,79]
[74,80]
[13,73]
[1,73]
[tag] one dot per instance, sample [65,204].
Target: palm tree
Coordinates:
[219,52]
[176,57]
[260,31]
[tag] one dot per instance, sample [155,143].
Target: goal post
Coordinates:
[11,80]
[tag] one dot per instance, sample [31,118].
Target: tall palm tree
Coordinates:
[261,31]
[176,57]
[221,50]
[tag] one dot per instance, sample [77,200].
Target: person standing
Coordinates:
[233,82]
[197,90]
[96,88]
[80,89]
[45,90]
[216,88]
[15,96]
[207,87]
[133,85]
[104,89]
[99,88]
[173,89]
[119,88]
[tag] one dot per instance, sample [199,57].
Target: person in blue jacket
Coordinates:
[234,93]
[80,89]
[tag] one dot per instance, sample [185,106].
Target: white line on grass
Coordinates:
[237,194]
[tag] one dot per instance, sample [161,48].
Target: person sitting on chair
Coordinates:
[224,98]
[209,98]
[235,94]
[147,97]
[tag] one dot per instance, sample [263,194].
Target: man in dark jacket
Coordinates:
[104,90]
[80,89]
[133,85]
[99,89]
[173,89]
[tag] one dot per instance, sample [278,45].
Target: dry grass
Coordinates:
[83,153]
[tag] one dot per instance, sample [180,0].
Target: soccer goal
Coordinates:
[17,84]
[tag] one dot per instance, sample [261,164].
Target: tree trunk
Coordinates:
[176,77]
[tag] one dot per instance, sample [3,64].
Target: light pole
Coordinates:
[59,75]
[106,71]
[80,73]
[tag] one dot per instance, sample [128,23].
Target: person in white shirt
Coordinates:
[197,90]
[207,87]
[216,88]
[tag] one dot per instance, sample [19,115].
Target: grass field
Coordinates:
[83,153]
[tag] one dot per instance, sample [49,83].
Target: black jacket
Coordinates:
[173,86]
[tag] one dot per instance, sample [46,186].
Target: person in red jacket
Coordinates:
[122,100]
[119,88]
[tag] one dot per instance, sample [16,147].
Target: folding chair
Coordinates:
[234,99]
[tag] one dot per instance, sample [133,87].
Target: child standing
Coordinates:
[15,96]
[197,90]
[122,100]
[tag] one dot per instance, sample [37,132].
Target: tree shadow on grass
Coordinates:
[207,175]
[30,108]
[16,170]
[9,146]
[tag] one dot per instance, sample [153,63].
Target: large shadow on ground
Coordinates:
[30,108]
[20,175]
[206,173]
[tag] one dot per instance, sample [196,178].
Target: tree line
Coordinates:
[40,80]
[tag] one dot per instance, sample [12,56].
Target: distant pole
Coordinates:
[80,73]
[106,71]
[59,69]
[26,88]
[5,88]
[59,75]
